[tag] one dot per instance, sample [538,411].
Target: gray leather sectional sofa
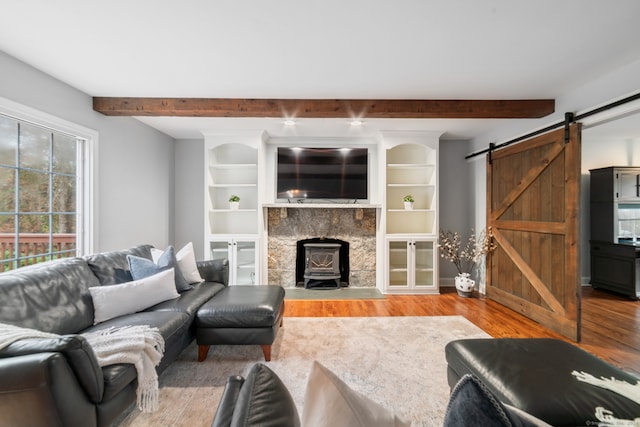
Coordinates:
[57,381]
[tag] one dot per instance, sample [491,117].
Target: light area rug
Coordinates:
[398,362]
[332,294]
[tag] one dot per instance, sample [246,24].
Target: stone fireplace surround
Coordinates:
[287,225]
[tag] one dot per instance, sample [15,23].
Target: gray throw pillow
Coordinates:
[142,267]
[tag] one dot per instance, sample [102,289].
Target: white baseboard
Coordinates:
[449,282]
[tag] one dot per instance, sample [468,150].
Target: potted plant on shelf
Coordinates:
[408,202]
[234,202]
[466,258]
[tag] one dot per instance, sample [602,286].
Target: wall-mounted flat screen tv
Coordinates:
[322,173]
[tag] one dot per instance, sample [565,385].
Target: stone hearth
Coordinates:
[286,226]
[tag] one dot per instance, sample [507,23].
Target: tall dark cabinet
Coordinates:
[615,229]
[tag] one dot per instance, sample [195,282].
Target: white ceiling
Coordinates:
[334,49]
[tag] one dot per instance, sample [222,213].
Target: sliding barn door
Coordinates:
[533,191]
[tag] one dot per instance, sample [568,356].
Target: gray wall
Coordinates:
[135,162]
[189,206]
[456,197]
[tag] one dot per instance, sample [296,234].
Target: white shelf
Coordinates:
[245,249]
[233,210]
[234,166]
[418,237]
[232,185]
[410,210]
[409,165]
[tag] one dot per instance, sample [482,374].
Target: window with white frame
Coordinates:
[44,172]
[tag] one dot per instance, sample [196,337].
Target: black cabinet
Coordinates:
[615,203]
[615,229]
[616,267]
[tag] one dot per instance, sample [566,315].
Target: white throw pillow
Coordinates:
[186,262]
[117,300]
[329,402]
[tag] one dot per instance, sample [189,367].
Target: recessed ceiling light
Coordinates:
[356,122]
[289,122]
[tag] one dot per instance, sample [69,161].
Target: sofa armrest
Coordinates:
[214,270]
[39,389]
[227,404]
[78,354]
[261,399]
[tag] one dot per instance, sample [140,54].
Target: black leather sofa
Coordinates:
[57,382]
[535,376]
[260,399]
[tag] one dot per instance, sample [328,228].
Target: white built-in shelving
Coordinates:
[232,168]
[411,234]
[403,163]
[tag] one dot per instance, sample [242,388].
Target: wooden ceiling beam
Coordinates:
[326,108]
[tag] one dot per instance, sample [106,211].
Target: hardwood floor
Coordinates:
[610,323]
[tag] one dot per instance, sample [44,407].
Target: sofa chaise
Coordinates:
[57,381]
[547,378]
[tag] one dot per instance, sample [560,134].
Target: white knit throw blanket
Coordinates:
[623,388]
[141,346]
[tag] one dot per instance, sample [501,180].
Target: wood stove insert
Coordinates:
[322,263]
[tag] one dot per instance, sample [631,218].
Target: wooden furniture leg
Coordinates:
[266,349]
[203,350]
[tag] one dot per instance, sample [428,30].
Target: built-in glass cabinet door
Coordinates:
[423,255]
[411,265]
[398,263]
[245,263]
[628,222]
[242,259]
[629,185]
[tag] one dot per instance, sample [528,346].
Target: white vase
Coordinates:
[465,284]
[234,206]
[408,206]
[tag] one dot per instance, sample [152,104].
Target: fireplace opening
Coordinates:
[322,263]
